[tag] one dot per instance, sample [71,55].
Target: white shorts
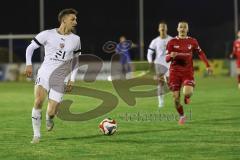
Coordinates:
[53,94]
[161,70]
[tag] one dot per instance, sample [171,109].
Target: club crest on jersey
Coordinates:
[189,46]
[62,45]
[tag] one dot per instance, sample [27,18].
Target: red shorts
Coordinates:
[177,79]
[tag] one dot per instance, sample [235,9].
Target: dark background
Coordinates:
[210,21]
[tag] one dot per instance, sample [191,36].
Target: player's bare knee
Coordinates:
[39,96]
[38,102]
[176,96]
[187,93]
[51,111]
[238,70]
[52,107]
[177,101]
[187,90]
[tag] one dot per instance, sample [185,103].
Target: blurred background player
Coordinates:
[158,46]
[123,48]
[236,54]
[60,45]
[180,53]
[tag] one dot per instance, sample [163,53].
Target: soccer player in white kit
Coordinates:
[61,45]
[158,46]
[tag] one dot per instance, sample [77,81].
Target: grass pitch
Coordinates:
[144,132]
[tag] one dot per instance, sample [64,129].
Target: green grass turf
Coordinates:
[212,131]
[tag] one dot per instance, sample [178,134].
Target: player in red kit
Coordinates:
[180,52]
[236,54]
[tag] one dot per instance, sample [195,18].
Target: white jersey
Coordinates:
[158,46]
[58,62]
[58,50]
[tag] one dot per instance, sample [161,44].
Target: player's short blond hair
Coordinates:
[162,22]
[183,22]
[66,11]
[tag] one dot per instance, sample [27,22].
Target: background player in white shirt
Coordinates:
[158,46]
[60,46]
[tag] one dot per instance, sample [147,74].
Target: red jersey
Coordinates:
[184,47]
[236,48]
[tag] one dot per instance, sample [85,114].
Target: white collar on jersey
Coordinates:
[182,38]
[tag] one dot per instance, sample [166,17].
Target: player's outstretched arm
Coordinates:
[29,52]
[203,57]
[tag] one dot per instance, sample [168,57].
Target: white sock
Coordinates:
[47,116]
[160,90]
[182,116]
[161,99]
[160,94]
[36,121]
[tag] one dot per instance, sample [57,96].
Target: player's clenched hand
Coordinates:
[173,54]
[209,70]
[28,70]
[69,86]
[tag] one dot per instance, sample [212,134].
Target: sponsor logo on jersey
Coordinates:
[62,45]
[176,46]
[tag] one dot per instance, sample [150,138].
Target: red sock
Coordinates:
[187,97]
[239,78]
[180,110]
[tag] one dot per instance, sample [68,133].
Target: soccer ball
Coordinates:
[108,126]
